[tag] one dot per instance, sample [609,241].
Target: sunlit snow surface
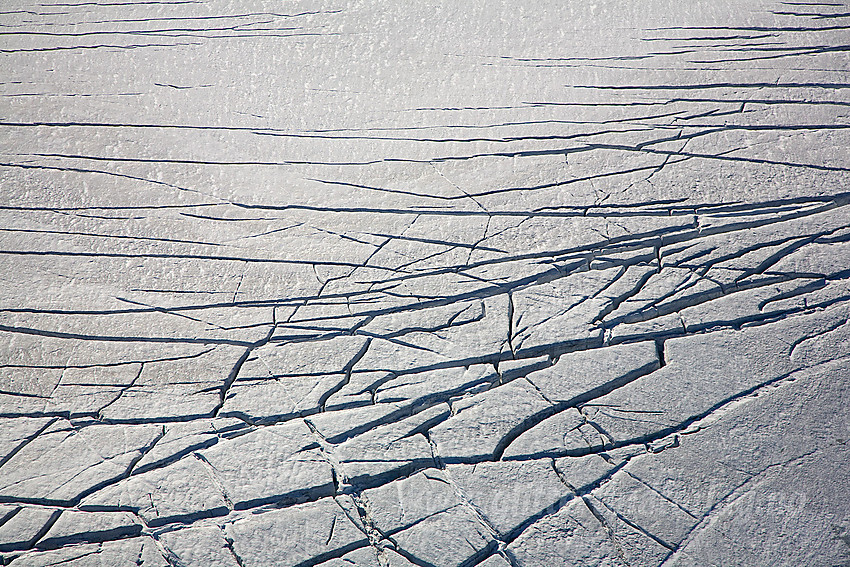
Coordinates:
[436,284]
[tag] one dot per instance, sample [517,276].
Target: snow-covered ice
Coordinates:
[427,283]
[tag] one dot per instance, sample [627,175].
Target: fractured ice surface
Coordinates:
[424,284]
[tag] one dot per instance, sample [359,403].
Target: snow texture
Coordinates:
[428,283]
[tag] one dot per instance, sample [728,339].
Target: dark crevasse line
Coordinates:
[30,543]
[559,407]
[370,481]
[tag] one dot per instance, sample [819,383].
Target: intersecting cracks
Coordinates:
[609,530]
[474,200]
[378,539]
[585,494]
[707,519]
[467,503]
[484,237]
[573,492]
[342,486]
[800,292]
[615,245]
[169,556]
[122,391]
[26,441]
[692,424]
[404,266]
[651,307]
[170,312]
[780,254]
[543,298]
[228,543]
[126,473]
[449,247]
[656,308]
[606,439]
[691,427]
[636,289]
[620,273]
[829,328]
[213,474]
[234,372]
[144,451]
[69,432]
[660,494]
[605,233]
[453,321]
[648,178]
[675,157]
[365,263]
[642,147]
[56,385]
[347,370]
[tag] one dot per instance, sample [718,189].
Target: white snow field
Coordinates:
[344,283]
